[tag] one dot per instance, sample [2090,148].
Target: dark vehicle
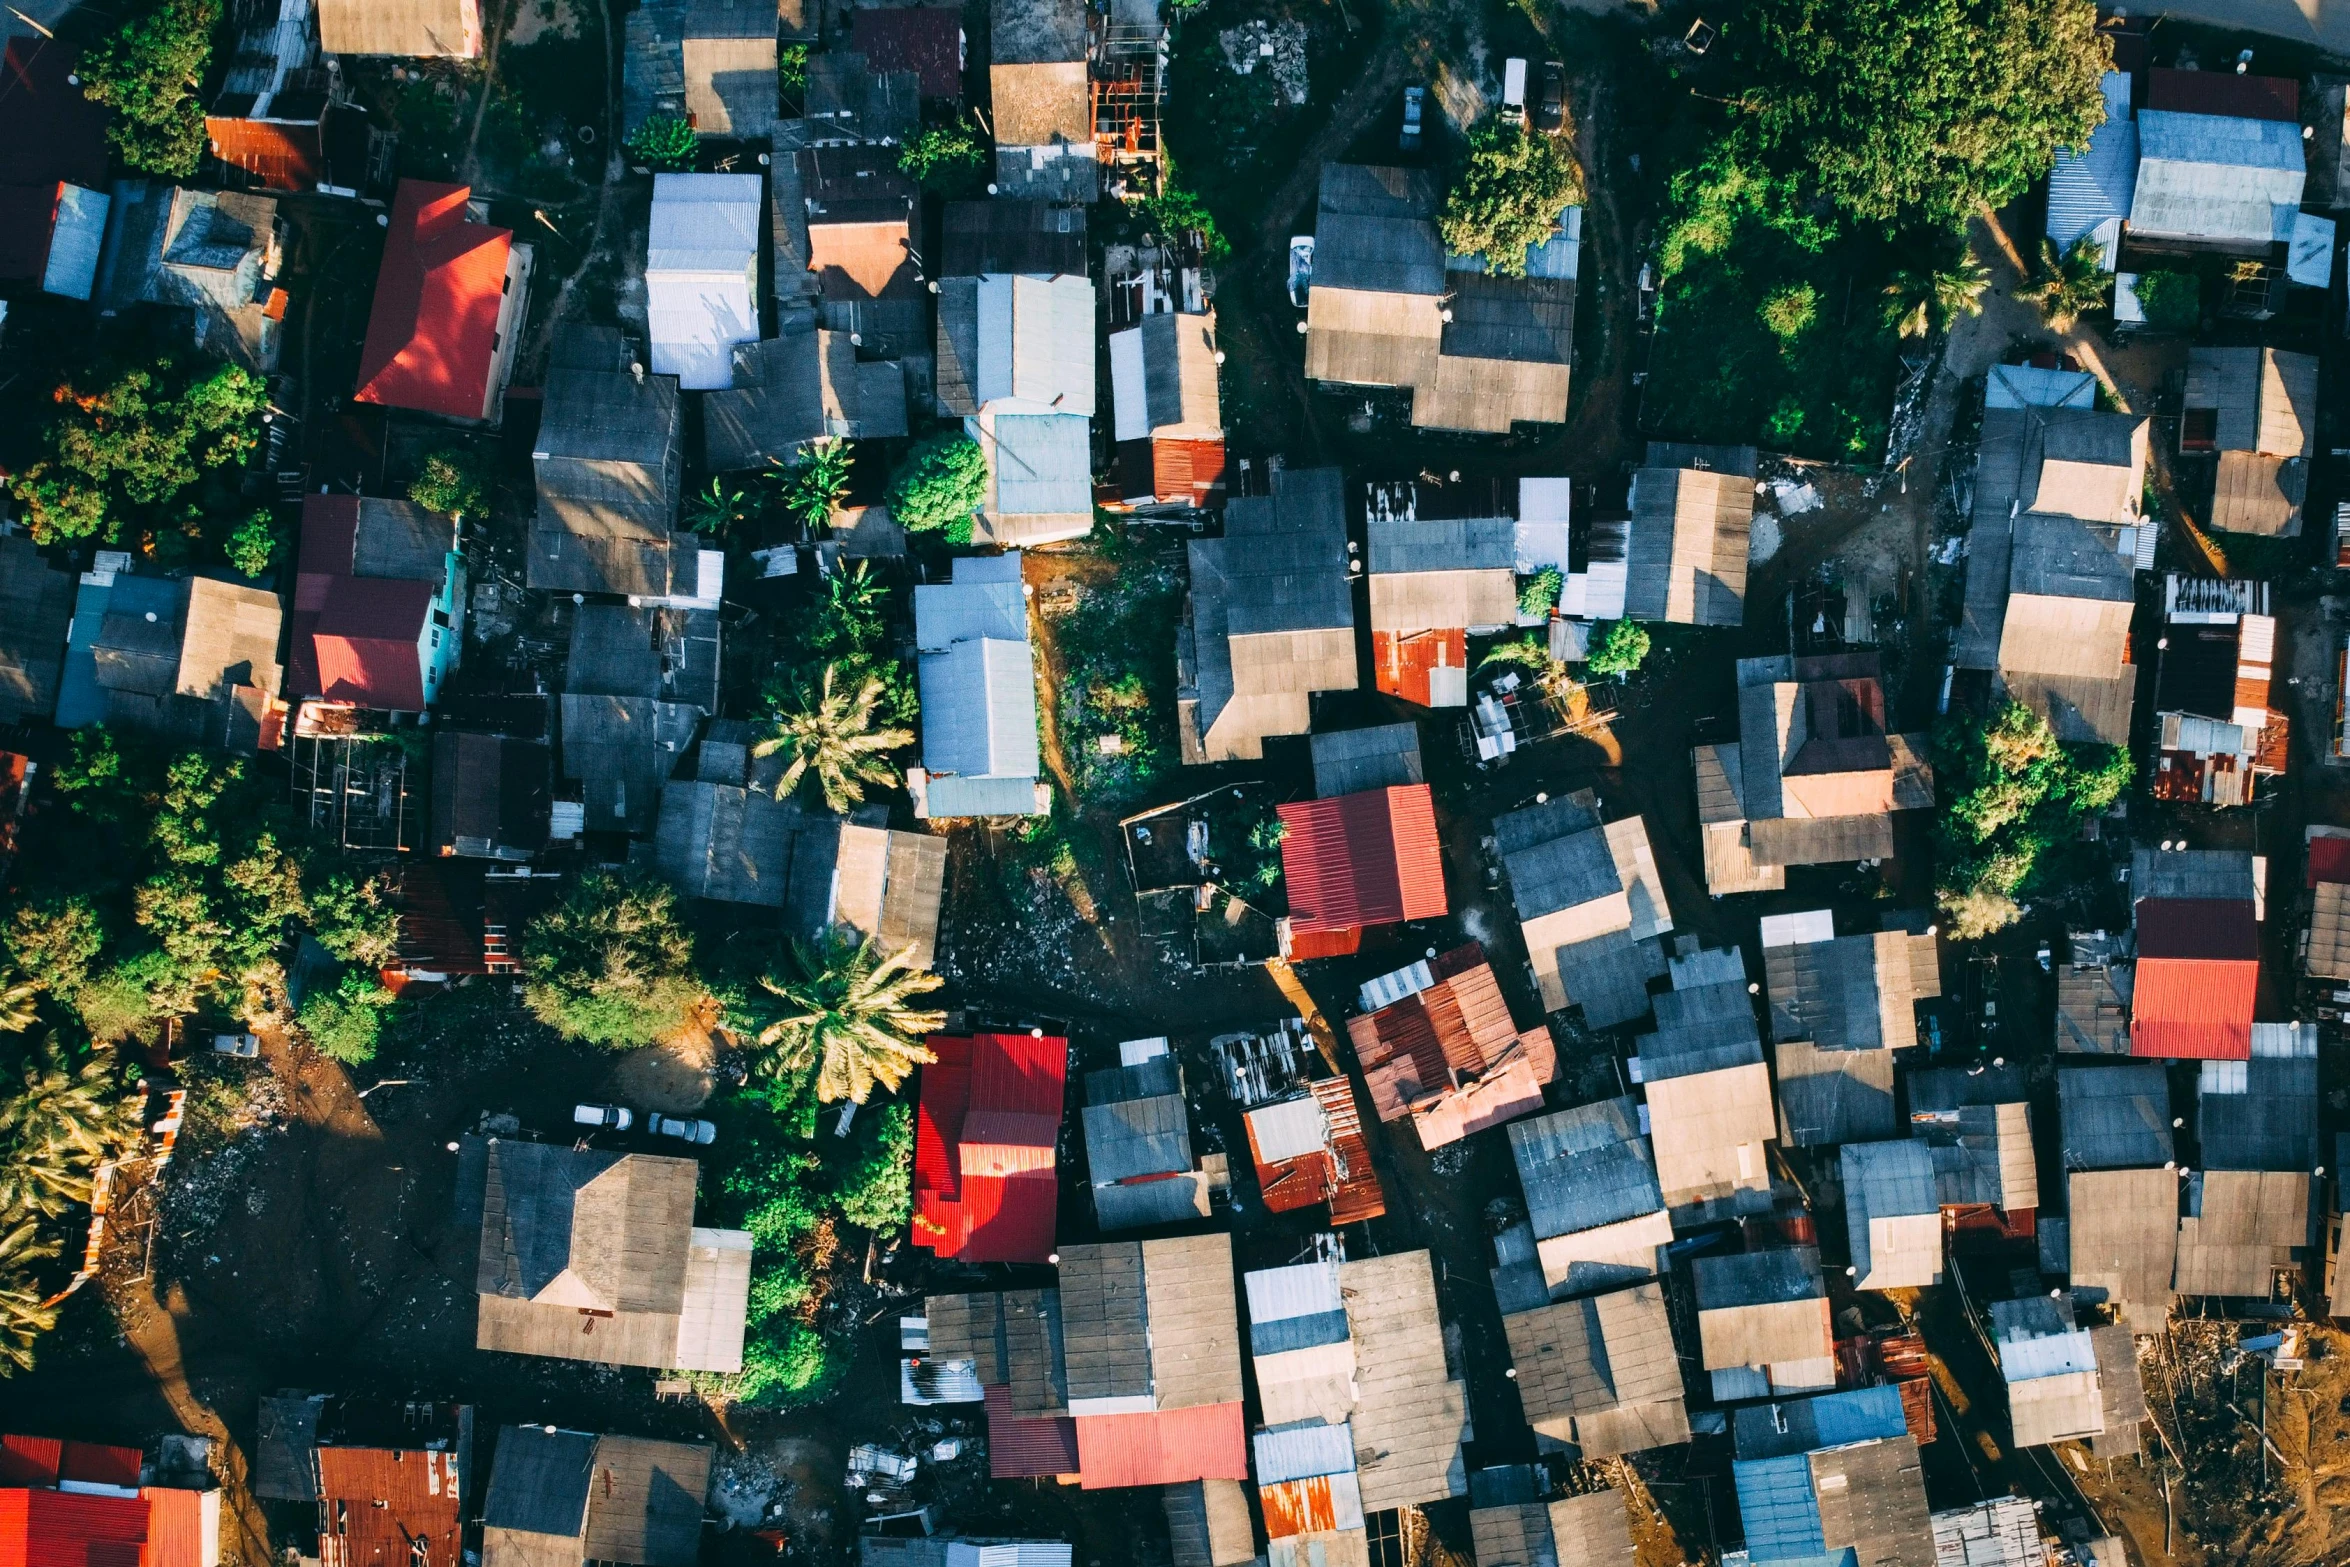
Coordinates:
[1550,105]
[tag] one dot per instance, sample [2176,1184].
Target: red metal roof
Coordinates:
[2198,972]
[29,1460]
[1167,1447]
[2224,92]
[432,334]
[1400,661]
[183,1529]
[99,1464]
[1027,1447]
[924,39]
[2329,860]
[365,643]
[1191,471]
[282,154]
[1362,859]
[986,1135]
[43,1528]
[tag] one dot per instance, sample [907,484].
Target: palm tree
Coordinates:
[55,1128]
[845,1016]
[16,1002]
[829,733]
[1922,298]
[24,1314]
[815,482]
[2072,284]
[718,511]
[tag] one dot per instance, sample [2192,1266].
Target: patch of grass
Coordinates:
[1119,644]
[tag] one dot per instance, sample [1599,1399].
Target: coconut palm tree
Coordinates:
[2071,284]
[845,1015]
[1921,298]
[59,1121]
[16,1002]
[829,734]
[24,1314]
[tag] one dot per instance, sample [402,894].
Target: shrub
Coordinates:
[1177,211]
[56,941]
[2011,792]
[452,481]
[2173,301]
[346,1021]
[253,546]
[1619,649]
[665,144]
[942,481]
[1540,595]
[1790,308]
[948,159]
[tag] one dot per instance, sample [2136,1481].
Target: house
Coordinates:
[36,612]
[1152,1346]
[1269,620]
[1595,1209]
[214,254]
[1477,351]
[1435,584]
[1892,1215]
[450,300]
[2220,163]
[1016,359]
[1728,838]
[2053,550]
[1138,1141]
[53,172]
[1309,1149]
[379,603]
[851,102]
[2325,946]
[1590,905]
[924,39]
[2050,1367]
[190,659]
[1167,415]
[2197,920]
[1834,1478]
[1976,1125]
[2216,735]
[2257,409]
[1828,1097]
[1847,992]
[281,117]
[977,673]
[710,63]
[1598,1377]
[1357,1395]
[985,1136]
[609,461]
[2242,1229]
[2090,190]
[1692,508]
[1043,99]
[1208,1523]
[73,1502]
[862,218]
[2114,1117]
[388,1508]
[432,1442]
[636,687]
[557,1498]
[1357,862]
[492,795]
[1762,1322]
[1437,1045]
[1708,1093]
[443,29]
[1007,1351]
[1820,772]
[1592,1530]
[1350,761]
[2093,995]
[2119,1243]
[701,273]
[592,1255]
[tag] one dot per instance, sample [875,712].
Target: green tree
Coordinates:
[253,545]
[816,481]
[1919,112]
[720,512]
[1619,649]
[942,481]
[665,143]
[1790,309]
[843,1013]
[2070,285]
[25,1314]
[611,963]
[1506,196]
[1929,297]
[2010,793]
[1540,593]
[149,72]
[121,456]
[453,481]
[59,1117]
[57,940]
[2172,301]
[876,1192]
[345,1020]
[351,914]
[829,734]
[948,159]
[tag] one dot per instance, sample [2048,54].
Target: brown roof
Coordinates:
[1601,1373]
[380,1507]
[402,27]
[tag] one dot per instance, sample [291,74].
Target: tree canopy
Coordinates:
[2011,793]
[1619,649]
[454,481]
[126,450]
[948,159]
[1506,196]
[940,484]
[665,144]
[611,963]
[1906,112]
[843,1015]
[149,73]
[829,734]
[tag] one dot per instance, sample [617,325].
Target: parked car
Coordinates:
[1550,110]
[1301,268]
[609,1118]
[1513,91]
[701,1132]
[244,1046]
[1415,102]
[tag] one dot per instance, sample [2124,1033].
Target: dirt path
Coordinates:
[1381,77]
[606,199]
[489,84]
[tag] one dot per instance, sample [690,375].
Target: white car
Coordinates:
[700,1132]
[608,1118]
[1301,268]
[245,1046]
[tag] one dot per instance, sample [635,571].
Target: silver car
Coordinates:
[702,1133]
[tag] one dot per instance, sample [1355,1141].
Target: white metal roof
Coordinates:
[1305,1289]
[1290,1129]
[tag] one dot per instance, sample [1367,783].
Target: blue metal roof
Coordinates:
[2095,186]
[2223,139]
[1779,1509]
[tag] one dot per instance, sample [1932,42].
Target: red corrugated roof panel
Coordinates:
[1401,660]
[379,1500]
[924,39]
[1168,1447]
[1027,1447]
[99,1463]
[2198,972]
[183,1530]
[432,333]
[282,154]
[938,1127]
[1186,471]
[30,1460]
[2329,860]
[1362,859]
[366,643]
[40,1528]
[986,1136]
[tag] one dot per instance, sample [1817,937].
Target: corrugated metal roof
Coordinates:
[1778,1509]
[2259,1114]
[1209,1442]
[1137,1137]
[2209,177]
[1585,1167]
[1808,1425]
[1293,1452]
[2123,1235]
[1362,859]
[1410,1414]
[1599,1373]
[2093,189]
[1893,1219]
[2114,1117]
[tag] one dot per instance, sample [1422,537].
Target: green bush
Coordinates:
[1540,594]
[453,481]
[1619,649]
[791,70]
[611,963]
[665,144]
[253,547]
[948,159]
[346,1022]
[1175,210]
[942,481]
[55,940]
[1506,196]
[2173,301]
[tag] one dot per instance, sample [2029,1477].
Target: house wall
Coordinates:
[513,310]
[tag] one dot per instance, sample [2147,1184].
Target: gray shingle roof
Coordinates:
[2269,1124]
[1349,761]
[1105,1329]
[1553,873]
[1130,1137]
[1585,1167]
